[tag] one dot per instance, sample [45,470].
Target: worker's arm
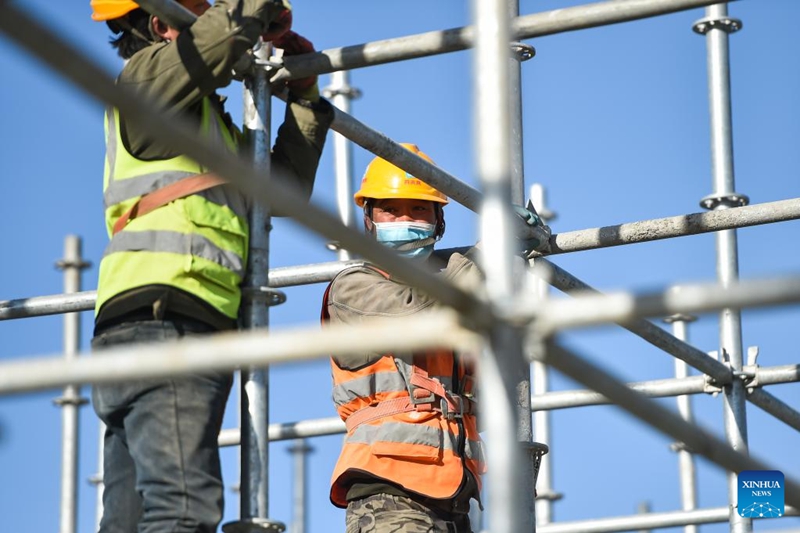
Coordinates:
[180,73]
[360,293]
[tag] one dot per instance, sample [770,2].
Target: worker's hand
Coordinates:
[294,44]
[278,27]
[536,238]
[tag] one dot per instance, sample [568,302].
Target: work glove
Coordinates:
[536,239]
[278,27]
[294,44]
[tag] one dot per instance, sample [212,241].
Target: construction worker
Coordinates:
[178,250]
[412,457]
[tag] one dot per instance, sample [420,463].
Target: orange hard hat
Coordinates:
[111,9]
[384,180]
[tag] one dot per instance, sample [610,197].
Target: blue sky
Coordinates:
[615,126]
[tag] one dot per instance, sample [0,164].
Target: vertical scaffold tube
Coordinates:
[540,384]
[716,26]
[72,264]
[510,476]
[686,464]
[340,94]
[300,449]
[254,393]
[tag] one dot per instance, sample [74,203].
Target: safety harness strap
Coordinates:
[160,197]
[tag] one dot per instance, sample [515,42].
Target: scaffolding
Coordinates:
[516,326]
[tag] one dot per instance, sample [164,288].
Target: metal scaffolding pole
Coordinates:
[686,465]
[230,350]
[256,299]
[541,384]
[712,515]
[72,264]
[97,478]
[300,450]
[716,26]
[341,93]
[456,39]
[587,239]
[518,365]
[502,372]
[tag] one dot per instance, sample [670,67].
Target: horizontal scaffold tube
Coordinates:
[677,226]
[290,430]
[573,241]
[441,329]
[84,301]
[623,307]
[660,388]
[646,521]
[457,39]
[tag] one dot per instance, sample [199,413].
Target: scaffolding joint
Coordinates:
[522,51]
[267,295]
[727,24]
[63,264]
[349,92]
[713,201]
[678,447]
[77,401]
[254,525]
[749,372]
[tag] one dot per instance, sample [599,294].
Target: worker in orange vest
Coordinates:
[412,457]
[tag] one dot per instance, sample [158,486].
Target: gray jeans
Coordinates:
[161,461]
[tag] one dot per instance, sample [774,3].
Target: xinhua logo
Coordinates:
[761,493]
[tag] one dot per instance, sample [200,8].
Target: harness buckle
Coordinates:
[447,412]
[422,399]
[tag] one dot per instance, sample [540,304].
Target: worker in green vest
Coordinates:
[178,250]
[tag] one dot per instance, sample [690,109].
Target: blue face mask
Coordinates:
[406,237]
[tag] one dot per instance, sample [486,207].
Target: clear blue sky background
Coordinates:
[616,127]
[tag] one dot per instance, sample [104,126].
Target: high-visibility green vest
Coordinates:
[197,243]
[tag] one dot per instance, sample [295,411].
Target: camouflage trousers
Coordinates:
[384,513]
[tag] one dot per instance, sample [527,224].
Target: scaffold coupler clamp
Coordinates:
[267,295]
[710,385]
[749,372]
[727,24]
[254,525]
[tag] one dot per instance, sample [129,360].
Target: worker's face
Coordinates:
[404,210]
[168,33]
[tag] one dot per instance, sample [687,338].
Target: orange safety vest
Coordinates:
[413,425]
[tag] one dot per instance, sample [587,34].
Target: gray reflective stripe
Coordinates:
[176,243]
[474,450]
[398,432]
[419,434]
[367,386]
[111,144]
[121,190]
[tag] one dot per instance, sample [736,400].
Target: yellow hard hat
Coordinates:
[384,180]
[111,9]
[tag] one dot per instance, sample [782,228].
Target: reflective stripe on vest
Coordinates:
[417,434]
[403,447]
[197,243]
